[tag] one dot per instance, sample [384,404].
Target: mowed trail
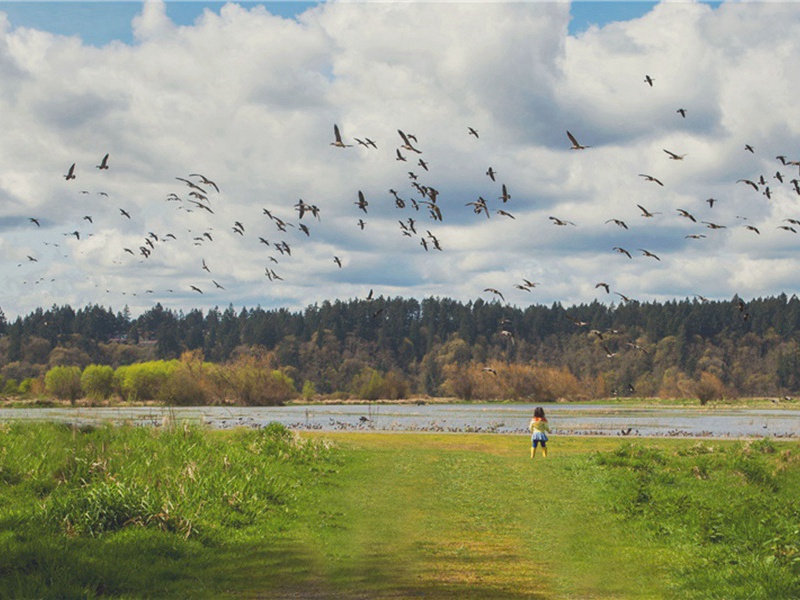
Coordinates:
[472,516]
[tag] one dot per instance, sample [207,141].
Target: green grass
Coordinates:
[189,513]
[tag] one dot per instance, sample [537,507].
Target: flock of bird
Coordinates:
[279,230]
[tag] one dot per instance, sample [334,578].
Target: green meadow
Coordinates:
[187,512]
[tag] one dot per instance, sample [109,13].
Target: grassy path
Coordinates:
[443,516]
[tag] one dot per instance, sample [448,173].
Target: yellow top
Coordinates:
[539,425]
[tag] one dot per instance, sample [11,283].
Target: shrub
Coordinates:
[143,381]
[309,391]
[251,381]
[64,382]
[97,382]
[10,387]
[709,387]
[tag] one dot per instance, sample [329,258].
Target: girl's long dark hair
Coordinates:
[538,413]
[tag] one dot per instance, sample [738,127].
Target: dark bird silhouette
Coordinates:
[749,148]
[711,225]
[686,214]
[407,144]
[496,292]
[205,266]
[361,202]
[681,112]
[217,285]
[88,218]
[472,131]
[649,80]
[337,261]
[577,322]
[752,228]
[575,144]
[695,236]
[71,173]
[491,173]
[603,285]
[399,156]
[647,213]
[753,184]
[505,214]
[622,251]
[196,289]
[674,156]
[103,163]
[561,222]
[711,202]
[505,196]
[618,222]
[648,253]
[192,185]
[337,141]
[651,178]
[205,180]
[124,213]
[34,220]
[623,296]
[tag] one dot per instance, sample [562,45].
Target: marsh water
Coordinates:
[565,419]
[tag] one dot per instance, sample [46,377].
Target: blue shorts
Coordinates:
[539,436]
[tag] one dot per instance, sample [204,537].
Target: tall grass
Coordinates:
[731,513]
[69,496]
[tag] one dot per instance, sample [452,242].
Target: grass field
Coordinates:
[190,513]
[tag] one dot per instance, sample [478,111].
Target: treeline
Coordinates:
[396,347]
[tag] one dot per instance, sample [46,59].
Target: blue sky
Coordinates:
[249,99]
[98,23]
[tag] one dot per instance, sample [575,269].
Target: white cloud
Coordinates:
[250,99]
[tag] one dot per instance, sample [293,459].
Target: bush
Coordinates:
[252,382]
[143,381]
[709,387]
[309,391]
[64,383]
[97,382]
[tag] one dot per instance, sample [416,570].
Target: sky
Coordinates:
[218,120]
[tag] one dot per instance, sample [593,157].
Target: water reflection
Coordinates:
[565,419]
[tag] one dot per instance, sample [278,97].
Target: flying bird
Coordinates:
[103,163]
[648,253]
[682,112]
[196,289]
[649,80]
[686,214]
[575,144]
[496,292]
[603,285]
[651,178]
[622,251]
[674,156]
[618,222]
[124,213]
[472,131]
[338,138]
[407,144]
[647,213]
[34,220]
[505,196]
[561,222]
[71,173]
[205,180]
[491,173]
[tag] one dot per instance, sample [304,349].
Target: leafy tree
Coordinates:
[64,383]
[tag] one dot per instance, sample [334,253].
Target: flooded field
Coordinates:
[565,419]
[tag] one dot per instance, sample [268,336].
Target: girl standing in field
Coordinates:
[539,430]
